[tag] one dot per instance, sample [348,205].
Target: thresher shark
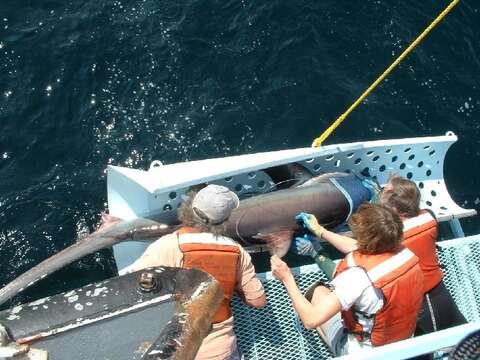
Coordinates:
[163,313]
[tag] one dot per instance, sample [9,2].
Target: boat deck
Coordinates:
[275,332]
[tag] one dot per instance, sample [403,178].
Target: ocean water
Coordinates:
[84,84]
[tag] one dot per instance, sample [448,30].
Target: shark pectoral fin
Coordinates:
[278,242]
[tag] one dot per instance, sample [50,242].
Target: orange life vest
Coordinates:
[420,234]
[216,255]
[400,280]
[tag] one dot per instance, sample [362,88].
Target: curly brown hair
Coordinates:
[188,218]
[404,197]
[376,228]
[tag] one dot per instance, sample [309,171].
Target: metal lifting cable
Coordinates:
[318,141]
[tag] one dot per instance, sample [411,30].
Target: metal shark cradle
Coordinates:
[266,218]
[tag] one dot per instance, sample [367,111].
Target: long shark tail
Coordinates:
[106,236]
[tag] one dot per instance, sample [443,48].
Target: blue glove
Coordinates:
[310,222]
[373,187]
[306,246]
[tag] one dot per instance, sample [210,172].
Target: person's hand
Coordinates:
[306,246]
[310,222]
[280,269]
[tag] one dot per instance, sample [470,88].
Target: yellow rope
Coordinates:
[318,141]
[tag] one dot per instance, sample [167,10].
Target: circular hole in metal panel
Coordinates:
[350,155]
[369,153]
[431,153]
[395,158]
[402,166]
[172,195]
[429,172]
[443,208]
[251,175]
[420,185]
[420,164]
[407,149]
[409,175]
[309,160]
[238,187]
[228,179]
[433,193]
[388,151]
[316,167]
[261,184]
[329,157]
[167,207]
[357,161]
[429,203]
[411,157]
[382,168]
[376,158]
[337,163]
[426,147]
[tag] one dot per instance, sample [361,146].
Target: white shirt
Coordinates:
[354,288]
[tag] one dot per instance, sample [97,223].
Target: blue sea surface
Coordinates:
[84,84]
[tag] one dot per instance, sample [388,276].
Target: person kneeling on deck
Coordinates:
[200,243]
[439,311]
[376,292]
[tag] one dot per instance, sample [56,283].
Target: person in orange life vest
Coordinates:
[439,311]
[200,243]
[376,292]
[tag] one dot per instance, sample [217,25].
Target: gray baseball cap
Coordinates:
[214,203]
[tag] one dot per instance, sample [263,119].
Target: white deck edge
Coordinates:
[459,241]
[418,345]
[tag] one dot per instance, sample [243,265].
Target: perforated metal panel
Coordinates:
[246,184]
[460,259]
[420,162]
[275,332]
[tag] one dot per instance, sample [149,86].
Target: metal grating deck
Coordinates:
[275,332]
[460,259]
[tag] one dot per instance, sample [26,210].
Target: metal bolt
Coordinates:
[147,281]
